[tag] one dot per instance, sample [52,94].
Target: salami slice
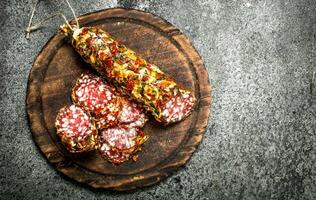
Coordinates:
[120,137]
[98,98]
[113,155]
[120,143]
[177,107]
[132,114]
[76,129]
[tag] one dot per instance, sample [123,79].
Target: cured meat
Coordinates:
[177,107]
[108,106]
[98,98]
[120,143]
[118,117]
[132,114]
[120,137]
[113,155]
[142,81]
[76,129]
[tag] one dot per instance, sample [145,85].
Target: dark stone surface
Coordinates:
[261,140]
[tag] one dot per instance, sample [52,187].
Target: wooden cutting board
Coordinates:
[56,68]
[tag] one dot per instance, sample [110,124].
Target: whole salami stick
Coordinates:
[144,82]
[159,94]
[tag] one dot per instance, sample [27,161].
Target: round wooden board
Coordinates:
[57,67]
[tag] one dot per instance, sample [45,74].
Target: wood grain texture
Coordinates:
[56,69]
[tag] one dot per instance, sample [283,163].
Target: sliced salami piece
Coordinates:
[76,129]
[132,114]
[120,137]
[113,155]
[177,107]
[98,98]
[120,143]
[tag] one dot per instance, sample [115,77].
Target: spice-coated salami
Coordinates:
[76,129]
[143,81]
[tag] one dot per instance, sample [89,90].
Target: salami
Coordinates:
[120,143]
[120,137]
[76,129]
[176,107]
[142,81]
[98,98]
[132,114]
[113,155]
[107,105]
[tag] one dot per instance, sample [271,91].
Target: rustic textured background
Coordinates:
[261,138]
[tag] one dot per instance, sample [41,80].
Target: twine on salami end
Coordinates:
[70,28]
[74,14]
